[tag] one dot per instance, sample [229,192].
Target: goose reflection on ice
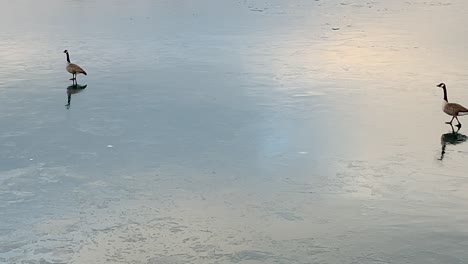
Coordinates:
[452,138]
[74,89]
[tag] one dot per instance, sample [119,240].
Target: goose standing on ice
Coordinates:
[452,109]
[72,68]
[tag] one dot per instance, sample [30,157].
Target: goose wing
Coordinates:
[457,109]
[75,68]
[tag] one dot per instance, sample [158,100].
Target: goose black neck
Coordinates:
[68,58]
[445,94]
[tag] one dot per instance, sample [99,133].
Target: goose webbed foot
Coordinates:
[459,125]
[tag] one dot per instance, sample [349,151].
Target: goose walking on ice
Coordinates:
[72,68]
[452,109]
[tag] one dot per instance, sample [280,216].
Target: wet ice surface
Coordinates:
[232,132]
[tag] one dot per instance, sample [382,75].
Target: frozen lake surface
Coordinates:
[233,132]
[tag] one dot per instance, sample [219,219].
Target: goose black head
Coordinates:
[441,85]
[65,51]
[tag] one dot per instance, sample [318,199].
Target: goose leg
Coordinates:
[453,117]
[459,124]
[453,129]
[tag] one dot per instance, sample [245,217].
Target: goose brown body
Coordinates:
[75,69]
[453,109]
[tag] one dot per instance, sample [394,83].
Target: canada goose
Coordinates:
[452,109]
[72,68]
